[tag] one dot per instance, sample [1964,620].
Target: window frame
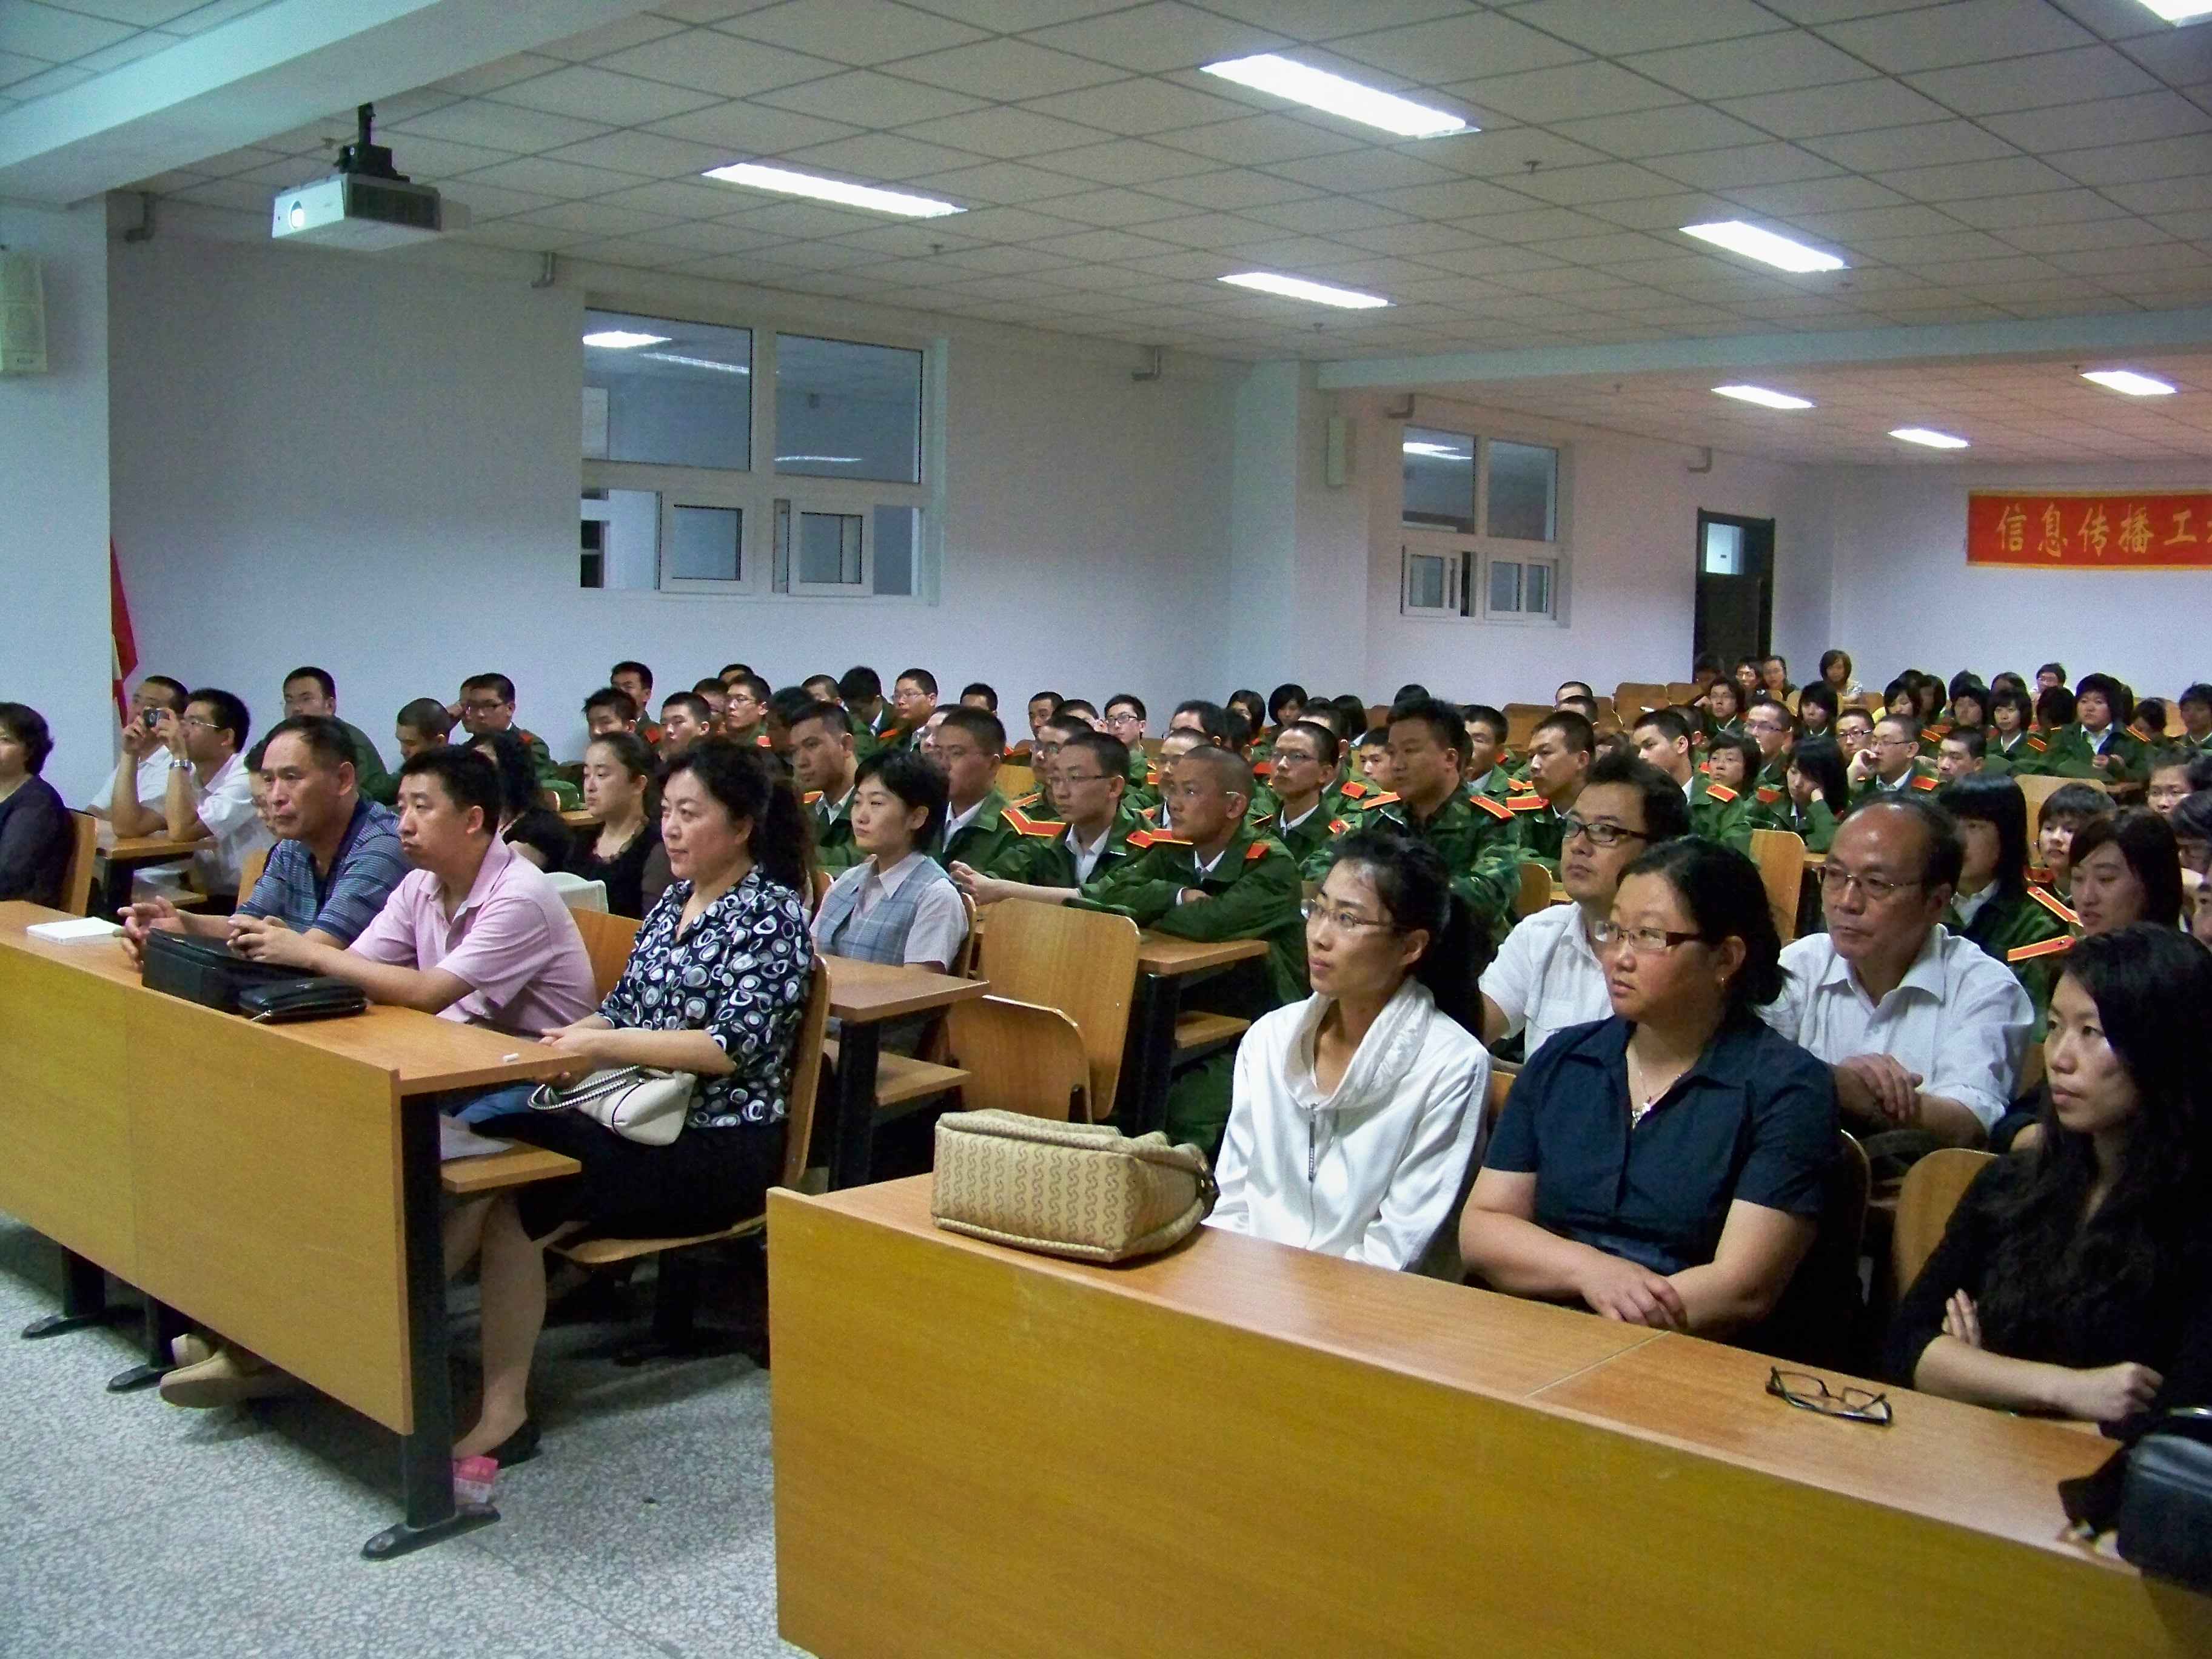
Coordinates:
[1476,551]
[1456,559]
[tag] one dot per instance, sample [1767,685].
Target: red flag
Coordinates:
[127,648]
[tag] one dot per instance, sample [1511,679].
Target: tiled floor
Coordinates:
[130,1527]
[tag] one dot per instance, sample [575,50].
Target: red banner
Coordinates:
[2091,531]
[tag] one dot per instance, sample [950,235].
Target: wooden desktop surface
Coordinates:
[864,992]
[1158,954]
[1240,1448]
[144,849]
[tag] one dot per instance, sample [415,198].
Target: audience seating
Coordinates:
[1817,1321]
[2041,789]
[77,880]
[250,868]
[1681,693]
[1015,781]
[1536,890]
[1080,965]
[1932,1189]
[607,941]
[577,893]
[1020,1057]
[1780,855]
[1521,719]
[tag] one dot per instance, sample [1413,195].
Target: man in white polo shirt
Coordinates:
[1923,1029]
[1547,976]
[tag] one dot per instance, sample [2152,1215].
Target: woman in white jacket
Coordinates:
[1356,1112]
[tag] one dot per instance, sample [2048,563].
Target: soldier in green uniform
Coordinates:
[312,691]
[1485,771]
[1891,764]
[1815,795]
[1768,725]
[2195,704]
[1090,785]
[1428,803]
[2104,707]
[2011,737]
[1716,812]
[2166,773]
[488,705]
[1965,753]
[861,691]
[1217,879]
[822,763]
[1560,751]
[1057,730]
[1306,761]
[1125,719]
[982,829]
[1993,904]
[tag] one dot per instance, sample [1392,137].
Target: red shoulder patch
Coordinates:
[761,741]
[1339,827]
[1532,804]
[1355,790]
[1256,851]
[1923,781]
[1721,792]
[1263,768]
[1030,800]
[2057,906]
[1519,785]
[1935,734]
[1380,800]
[2049,947]
[1496,809]
[2038,744]
[1768,794]
[811,797]
[1029,826]
[1148,839]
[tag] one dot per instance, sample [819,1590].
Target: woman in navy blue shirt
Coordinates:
[1666,1166]
[36,835]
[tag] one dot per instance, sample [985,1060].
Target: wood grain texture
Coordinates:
[1017,1057]
[864,992]
[1780,855]
[1083,962]
[495,1172]
[1172,957]
[1245,1450]
[1931,1190]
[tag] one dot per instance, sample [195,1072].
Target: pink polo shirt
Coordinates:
[511,939]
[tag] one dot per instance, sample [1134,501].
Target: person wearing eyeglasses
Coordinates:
[1890,766]
[1923,1029]
[2077,1278]
[1089,785]
[1548,977]
[1664,1166]
[207,803]
[1717,812]
[1125,718]
[1304,764]
[1355,1111]
[1769,725]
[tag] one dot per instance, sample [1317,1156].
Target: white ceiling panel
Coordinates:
[859,32]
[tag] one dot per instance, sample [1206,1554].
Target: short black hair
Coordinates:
[1036,697]
[1737,742]
[1580,736]
[2007,696]
[631,665]
[1136,703]
[2199,693]
[518,773]
[2151,711]
[230,712]
[1722,890]
[1330,745]
[789,706]
[1230,770]
[327,739]
[978,689]
[28,727]
[1212,718]
[2000,803]
[1975,741]
[1288,691]
[498,683]
[830,680]
[428,716]
[614,697]
[1445,722]
[2057,668]
[2117,698]
[914,781]
[1669,721]
[760,689]
[2145,841]
[1666,811]
[730,668]
[2054,708]
[2166,760]
[1831,657]
[1109,750]
[1077,705]
[921,677]
[320,676]
[628,748]
[1410,691]
[710,682]
[465,773]
[175,689]
[1481,714]
[828,714]
[981,724]
[859,684]
[700,709]
[1821,759]
[1946,856]
[2075,805]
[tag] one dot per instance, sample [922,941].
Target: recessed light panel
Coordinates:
[1763,397]
[1296,287]
[1764,246]
[1315,88]
[2179,11]
[2127,380]
[1921,435]
[784,182]
[617,339]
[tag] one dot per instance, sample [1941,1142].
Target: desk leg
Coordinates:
[1159,1000]
[163,1325]
[117,887]
[84,1300]
[426,1456]
[856,1107]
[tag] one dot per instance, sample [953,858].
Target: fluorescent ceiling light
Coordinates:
[839,460]
[1921,435]
[615,339]
[2127,380]
[1764,246]
[1296,287]
[697,362]
[785,182]
[1439,452]
[2180,12]
[1763,397]
[1318,89]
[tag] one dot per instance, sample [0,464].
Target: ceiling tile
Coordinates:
[2158,158]
[1413,238]
[1014,224]
[1786,62]
[1962,32]
[861,32]
[1325,216]
[598,95]
[1565,92]
[1134,108]
[709,61]
[1125,161]
[1012,17]
[1372,168]
[879,155]
[1262,140]
[1496,44]
[1931,144]
[744,129]
[1859,106]
[1005,133]
[1747,165]
[56,36]
[1610,28]
[1537,224]
[499,72]
[1008,70]
[2177,57]
[1668,131]
[1462,200]
[1164,35]
[867,98]
[675,199]
[1230,190]
[595,217]
[2085,237]
[649,154]
[612,37]
[60,78]
[1112,207]
[2049,207]
[2084,75]
[1851,231]
[2016,176]
[1846,193]
[2134,119]
[2163,195]
[1508,151]
[1601,181]
[499,126]
[1105,246]
[562,180]
[996,183]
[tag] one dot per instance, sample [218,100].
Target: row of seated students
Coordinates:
[1633,999]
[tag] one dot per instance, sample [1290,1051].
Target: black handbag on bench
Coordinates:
[2158,1493]
[215,976]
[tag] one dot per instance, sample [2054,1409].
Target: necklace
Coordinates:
[1640,1099]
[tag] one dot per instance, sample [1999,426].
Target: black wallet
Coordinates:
[320,997]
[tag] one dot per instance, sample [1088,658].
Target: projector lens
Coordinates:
[298,217]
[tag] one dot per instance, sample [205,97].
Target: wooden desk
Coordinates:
[578,818]
[122,855]
[1241,1449]
[1148,1055]
[277,1183]
[862,996]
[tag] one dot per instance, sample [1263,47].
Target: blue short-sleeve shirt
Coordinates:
[1754,1118]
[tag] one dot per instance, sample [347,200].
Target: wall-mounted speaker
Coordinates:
[1336,457]
[23,316]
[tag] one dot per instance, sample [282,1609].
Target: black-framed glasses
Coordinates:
[1644,941]
[1811,1394]
[1600,835]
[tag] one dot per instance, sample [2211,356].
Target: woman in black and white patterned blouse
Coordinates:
[715,985]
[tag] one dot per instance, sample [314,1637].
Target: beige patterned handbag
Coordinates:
[1084,1190]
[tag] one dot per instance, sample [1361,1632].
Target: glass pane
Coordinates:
[679,394]
[1524,488]
[830,548]
[1723,550]
[1425,582]
[848,412]
[1539,596]
[898,533]
[1439,471]
[1504,585]
[627,523]
[705,542]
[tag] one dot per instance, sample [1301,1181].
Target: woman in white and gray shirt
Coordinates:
[1356,1112]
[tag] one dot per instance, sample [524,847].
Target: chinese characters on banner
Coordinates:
[2090,533]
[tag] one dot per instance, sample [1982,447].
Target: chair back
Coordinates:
[821,885]
[1082,962]
[1681,693]
[77,879]
[1016,780]
[1780,855]
[1536,890]
[250,868]
[577,893]
[1817,1321]
[1521,719]
[964,960]
[1932,1189]
[2040,790]
[805,1076]
[607,941]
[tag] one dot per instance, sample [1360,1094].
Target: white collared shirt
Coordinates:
[153,776]
[225,804]
[1546,977]
[956,822]
[940,924]
[1968,906]
[1286,825]
[1958,1017]
[1086,858]
[1206,868]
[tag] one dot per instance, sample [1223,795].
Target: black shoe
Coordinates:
[518,1447]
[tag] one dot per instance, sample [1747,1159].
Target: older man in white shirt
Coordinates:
[1921,1028]
[1547,976]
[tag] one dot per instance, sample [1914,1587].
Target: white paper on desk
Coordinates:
[76,928]
[456,1139]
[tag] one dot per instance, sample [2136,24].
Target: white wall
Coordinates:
[1904,595]
[57,653]
[373,465]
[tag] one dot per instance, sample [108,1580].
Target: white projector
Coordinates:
[357,210]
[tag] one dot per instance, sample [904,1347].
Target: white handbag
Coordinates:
[636,1101]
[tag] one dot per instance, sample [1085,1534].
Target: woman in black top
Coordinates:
[617,790]
[1667,1166]
[2077,1278]
[715,985]
[525,823]
[36,834]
